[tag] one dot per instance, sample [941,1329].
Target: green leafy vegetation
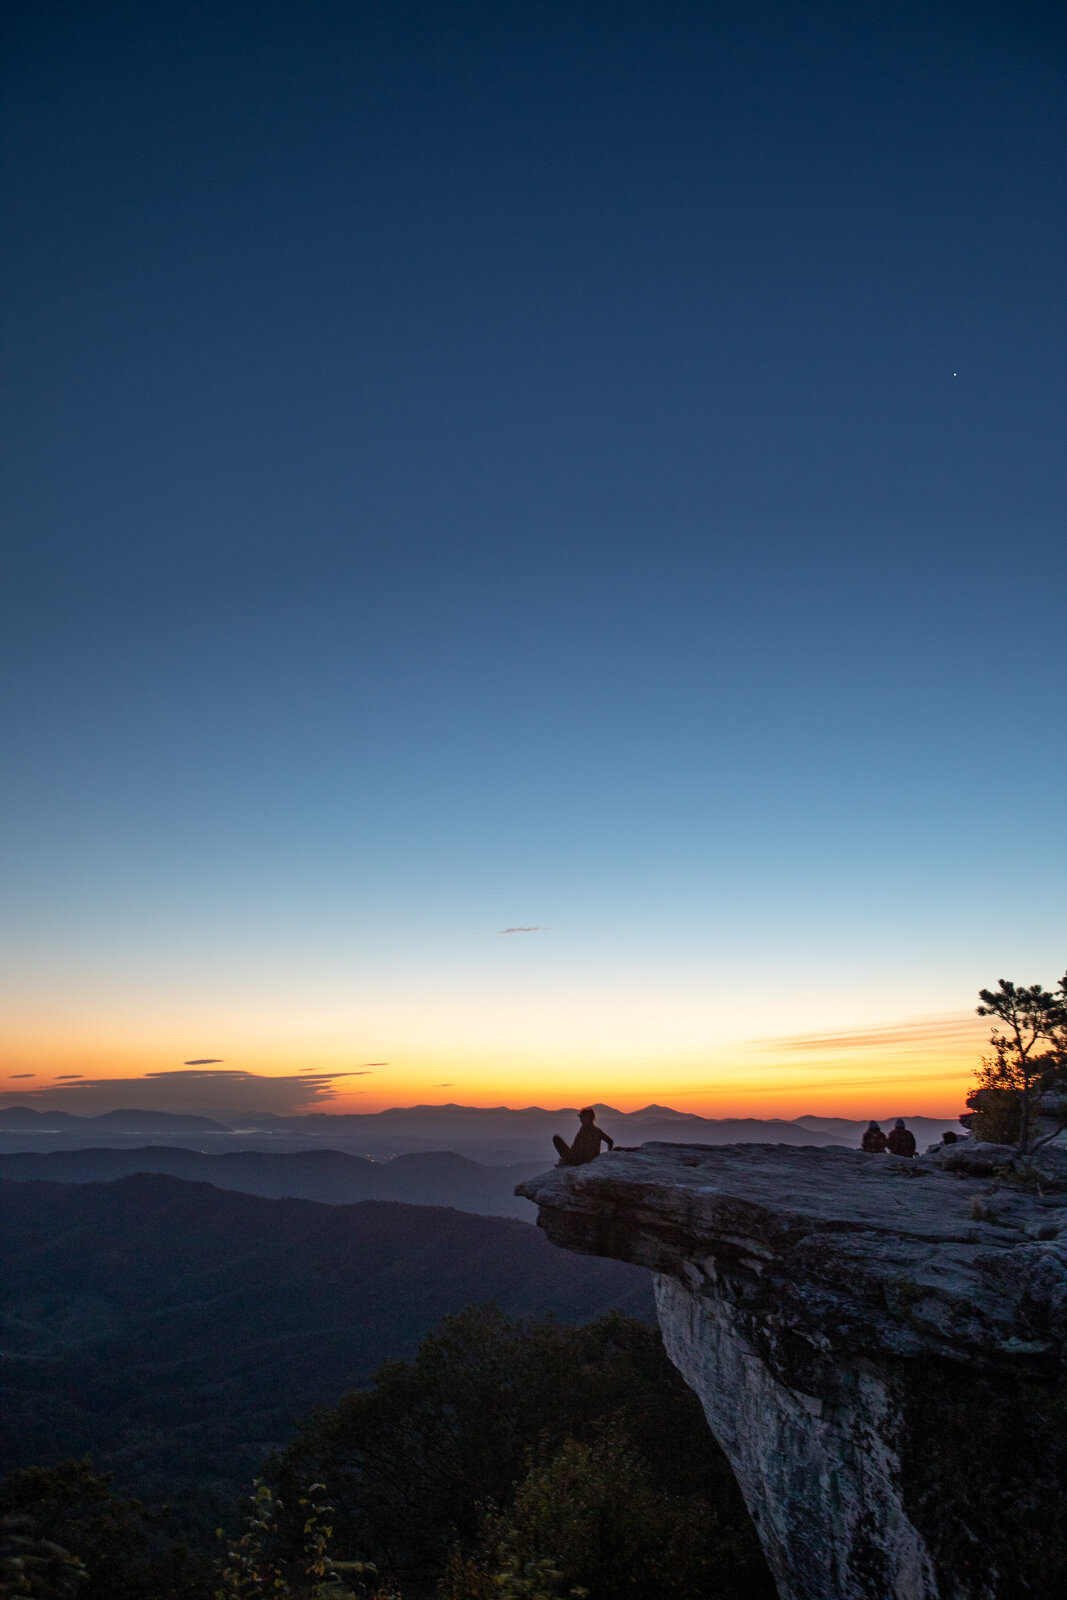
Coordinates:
[251,1569]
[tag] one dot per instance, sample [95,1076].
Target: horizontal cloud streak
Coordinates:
[210,1092]
[953,1034]
[900,1081]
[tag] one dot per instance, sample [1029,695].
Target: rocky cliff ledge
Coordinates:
[878,1345]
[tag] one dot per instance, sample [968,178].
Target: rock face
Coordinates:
[878,1345]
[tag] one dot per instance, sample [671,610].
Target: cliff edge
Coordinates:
[878,1344]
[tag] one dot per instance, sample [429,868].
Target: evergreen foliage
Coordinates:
[1029,1053]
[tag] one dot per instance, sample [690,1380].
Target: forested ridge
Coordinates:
[438,1179]
[175,1332]
[168,1344]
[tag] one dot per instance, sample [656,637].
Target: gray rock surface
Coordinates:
[1050,1120]
[841,1316]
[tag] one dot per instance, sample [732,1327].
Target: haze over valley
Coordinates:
[458,1156]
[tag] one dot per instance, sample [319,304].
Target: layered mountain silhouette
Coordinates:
[495,1135]
[439,1178]
[28,1119]
[175,1330]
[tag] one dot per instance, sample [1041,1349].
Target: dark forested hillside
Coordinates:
[588,1434]
[435,1178]
[175,1330]
[510,1458]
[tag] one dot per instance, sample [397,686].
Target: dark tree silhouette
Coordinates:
[1031,1048]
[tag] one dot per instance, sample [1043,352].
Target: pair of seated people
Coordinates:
[900,1142]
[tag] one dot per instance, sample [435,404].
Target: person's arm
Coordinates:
[608,1140]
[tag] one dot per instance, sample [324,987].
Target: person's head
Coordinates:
[872,1127]
[587,1115]
[899,1122]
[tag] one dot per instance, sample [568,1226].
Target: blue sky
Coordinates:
[596,468]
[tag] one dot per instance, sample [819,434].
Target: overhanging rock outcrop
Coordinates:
[878,1345]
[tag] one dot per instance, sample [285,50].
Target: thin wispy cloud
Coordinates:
[206,1061]
[353,1072]
[22,1075]
[956,1033]
[519,930]
[70,1077]
[901,1081]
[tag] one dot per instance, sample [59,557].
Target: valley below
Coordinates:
[175,1331]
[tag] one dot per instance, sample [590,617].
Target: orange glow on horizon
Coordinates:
[921,1067]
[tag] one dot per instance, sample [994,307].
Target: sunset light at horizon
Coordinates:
[924,1066]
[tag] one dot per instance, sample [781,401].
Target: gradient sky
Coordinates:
[591,469]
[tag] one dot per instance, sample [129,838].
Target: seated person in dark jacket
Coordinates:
[587,1141]
[873,1140]
[901,1141]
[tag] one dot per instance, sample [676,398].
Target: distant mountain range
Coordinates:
[497,1135]
[176,1330]
[28,1119]
[439,1178]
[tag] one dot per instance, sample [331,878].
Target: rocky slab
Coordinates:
[828,1306]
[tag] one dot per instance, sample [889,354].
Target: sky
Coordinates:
[535,552]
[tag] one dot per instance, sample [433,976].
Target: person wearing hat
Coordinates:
[901,1141]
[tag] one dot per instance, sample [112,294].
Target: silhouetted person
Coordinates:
[587,1141]
[948,1137]
[873,1140]
[901,1140]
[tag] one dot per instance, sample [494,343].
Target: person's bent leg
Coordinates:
[563,1149]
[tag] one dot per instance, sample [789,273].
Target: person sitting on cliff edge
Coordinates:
[901,1140]
[587,1141]
[874,1140]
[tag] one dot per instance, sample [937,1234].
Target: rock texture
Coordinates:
[878,1345]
